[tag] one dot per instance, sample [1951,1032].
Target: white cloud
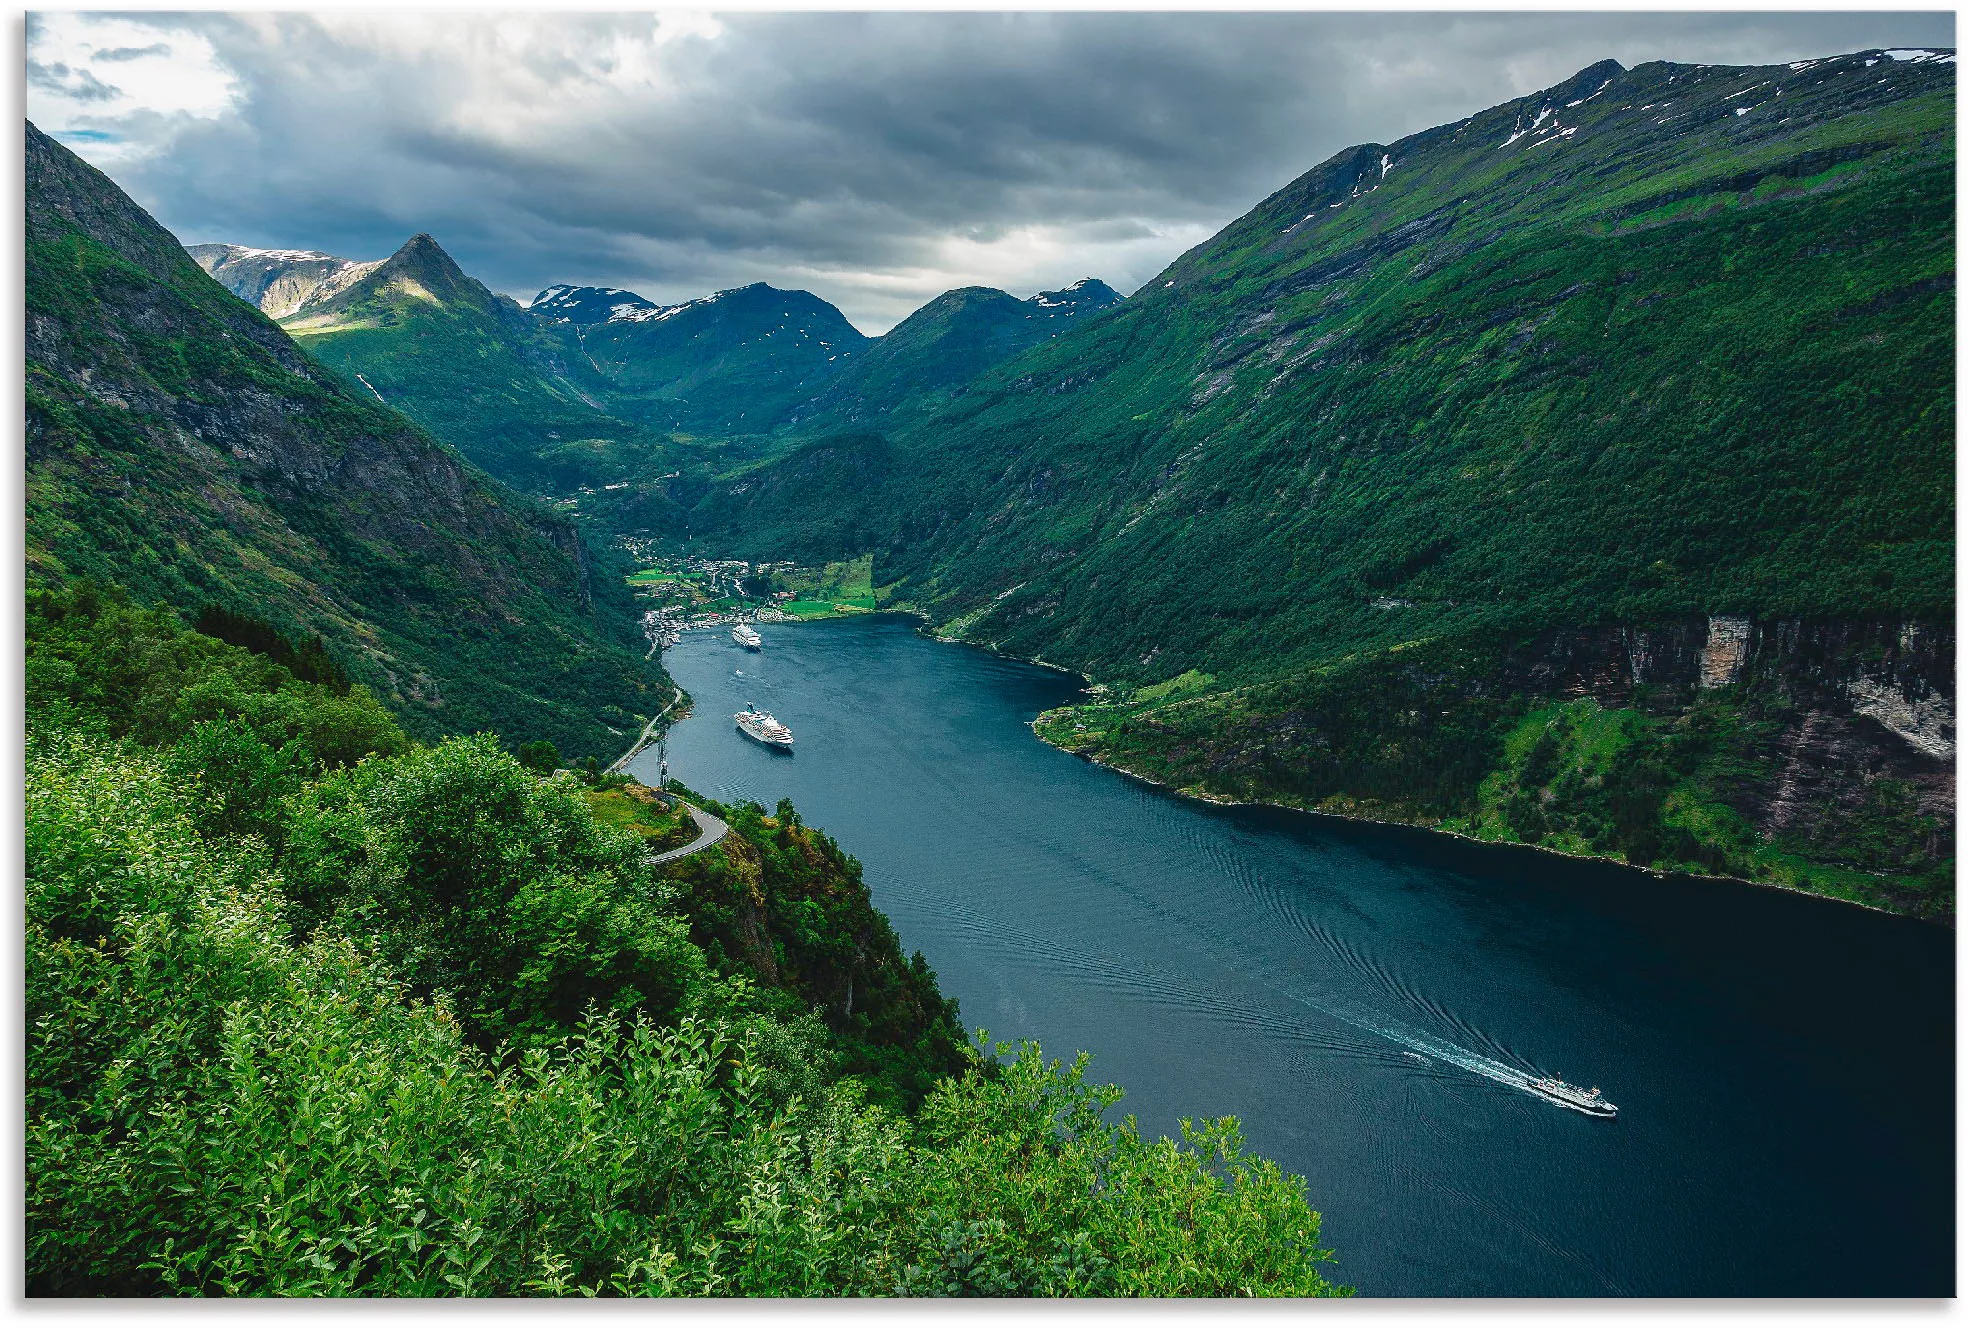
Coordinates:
[93,77]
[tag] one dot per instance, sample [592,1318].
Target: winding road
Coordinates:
[711,830]
[647,736]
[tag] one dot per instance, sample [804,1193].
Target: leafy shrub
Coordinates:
[213,1109]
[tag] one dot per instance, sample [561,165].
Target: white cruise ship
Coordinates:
[761,727]
[747,638]
[1570,1095]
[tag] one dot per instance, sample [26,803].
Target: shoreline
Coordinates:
[1503,844]
[1214,800]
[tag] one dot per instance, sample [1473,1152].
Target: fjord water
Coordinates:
[1367,999]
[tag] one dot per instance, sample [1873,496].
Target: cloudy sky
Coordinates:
[876,159]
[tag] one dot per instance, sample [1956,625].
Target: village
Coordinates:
[680,594]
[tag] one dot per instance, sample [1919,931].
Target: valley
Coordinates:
[347,983]
[1375,662]
[1470,419]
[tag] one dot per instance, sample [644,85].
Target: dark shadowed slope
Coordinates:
[932,354]
[738,361]
[181,444]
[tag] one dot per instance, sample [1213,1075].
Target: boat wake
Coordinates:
[1547,1087]
[1183,991]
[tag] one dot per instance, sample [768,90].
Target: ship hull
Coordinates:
[780,744]
[1602,1110]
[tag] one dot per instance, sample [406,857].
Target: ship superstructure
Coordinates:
[761,727]
[1570,1095]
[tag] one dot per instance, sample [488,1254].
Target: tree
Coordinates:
[542,757]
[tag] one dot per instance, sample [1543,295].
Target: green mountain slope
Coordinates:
[1651,346]
[180,444]
[927,357]
[513,393]
[1554,379]
[738,361]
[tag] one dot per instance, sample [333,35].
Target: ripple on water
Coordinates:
[1369,1001]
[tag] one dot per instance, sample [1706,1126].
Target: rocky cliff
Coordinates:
[1810,752]
[278,282]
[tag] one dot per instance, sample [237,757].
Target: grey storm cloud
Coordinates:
[119,54]
[876,159]
[79,84]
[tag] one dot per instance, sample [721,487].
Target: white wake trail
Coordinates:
[1436,1048]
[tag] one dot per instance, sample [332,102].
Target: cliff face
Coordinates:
[181,444]
[278,282]
[1810,752]
[1857,702]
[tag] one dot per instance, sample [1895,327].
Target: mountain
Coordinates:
[585,306]
[180,444]
[738,361]
[277,281]
[757,359]
[1354,490]
[509,390]
[928,356]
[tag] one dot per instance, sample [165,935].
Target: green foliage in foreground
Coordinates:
[410,1021]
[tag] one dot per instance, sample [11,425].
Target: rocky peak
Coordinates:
[1083,295]
[278,281]
[584,306]
[424,262]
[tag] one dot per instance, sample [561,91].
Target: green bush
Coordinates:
[215,1109]
[540,757]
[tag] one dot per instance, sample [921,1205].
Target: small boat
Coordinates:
[1588,1101]
[747,638]
[761,727]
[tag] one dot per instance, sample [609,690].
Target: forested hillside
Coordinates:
[1653,346]
[180,444]
[734,362]
[934,353]
[513,393]
[315,1010]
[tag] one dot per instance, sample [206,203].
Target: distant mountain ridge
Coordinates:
[511,391]
[585,306]
[736,361]
[946,344]
[941,345]
[278,281]
[578,387]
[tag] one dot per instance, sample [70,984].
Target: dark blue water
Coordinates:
[1361,997]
